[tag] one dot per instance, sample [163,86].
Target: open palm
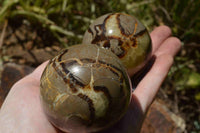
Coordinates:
[22,112]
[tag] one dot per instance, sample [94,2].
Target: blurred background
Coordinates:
[32,31]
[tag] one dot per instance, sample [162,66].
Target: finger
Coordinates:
[36,74]
[159,35]
[148,87]
[170,46]
[150,84]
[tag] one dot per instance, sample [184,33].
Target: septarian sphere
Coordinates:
[124,35]
[85,89]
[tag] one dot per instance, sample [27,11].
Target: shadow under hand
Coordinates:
[132,120]
[137,77]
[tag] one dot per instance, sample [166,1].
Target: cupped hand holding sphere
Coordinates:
[22,111]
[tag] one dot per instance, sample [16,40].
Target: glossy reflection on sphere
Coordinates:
[85,89]
[124,35]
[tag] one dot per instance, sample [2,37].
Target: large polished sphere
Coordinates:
[85,89]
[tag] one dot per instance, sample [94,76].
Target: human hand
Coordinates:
[22,112]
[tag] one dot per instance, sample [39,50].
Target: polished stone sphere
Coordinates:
[122,34]
[85,89]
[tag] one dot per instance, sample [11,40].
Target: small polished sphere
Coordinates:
[124,35]
[85,89]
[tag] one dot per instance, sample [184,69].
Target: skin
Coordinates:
[22,112]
